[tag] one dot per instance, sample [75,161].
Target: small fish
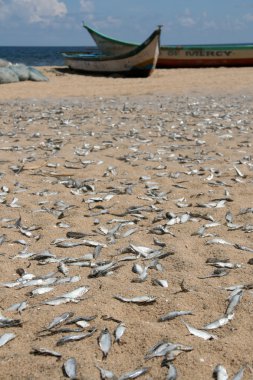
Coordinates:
[119,331]
[134,374]
[73,296]
[46,352]
[219,322]
[41,290]
[234,301]
[173,314]
[162,283]
[74,338]
[199,333]
[137,300]
[60,320]
[218,241]
[70,368]
[172,373]
[5,338]
[105,342]
[220,373]
[239,374]
[106,375]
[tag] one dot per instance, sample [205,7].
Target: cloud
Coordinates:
[186,20]
[3,10]
[248,17]
[31,11]
[87,6]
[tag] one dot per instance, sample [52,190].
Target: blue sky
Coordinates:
[59,22]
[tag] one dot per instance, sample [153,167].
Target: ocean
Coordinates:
[39,55]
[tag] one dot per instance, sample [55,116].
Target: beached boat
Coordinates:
[139,61]
[175,56]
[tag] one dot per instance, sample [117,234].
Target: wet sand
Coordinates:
[163,163]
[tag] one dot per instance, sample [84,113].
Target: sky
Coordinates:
[59,22]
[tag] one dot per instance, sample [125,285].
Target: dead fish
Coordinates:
[234,301]
[220,373]
[218,264]
[218,241]
[134,374]
[106,375]
[219,322]
[137,300]
[9,322]
[63,268]
[199,333]
[219,272]
[46,352]
[73,296]
[5,338]
[163,347]
[172,373]
[41,290]
[105,342]
[19,307]
[119,331]
[60,320]
[239,374]
[70,368]
[173,314]
[243,248]
[74,338]
[162,283]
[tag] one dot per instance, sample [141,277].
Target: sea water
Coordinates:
[40,55]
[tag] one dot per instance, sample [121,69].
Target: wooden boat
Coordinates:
[175,56]
[139,61]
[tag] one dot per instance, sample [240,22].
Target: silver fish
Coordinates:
[106,375]
[172,373]
[60,319]
[239,374]
[134,374]
[199,333]
[105,342]
[173,314]
[5,338]
[219,322]
[137,300]
[73,296]
[162,283]
[45,351]
[234,301]
[19,307]
[119,331]
[41,290]
[70,368]
[74,338]
[220,373]
[164,347]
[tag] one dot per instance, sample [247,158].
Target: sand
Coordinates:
[129,163]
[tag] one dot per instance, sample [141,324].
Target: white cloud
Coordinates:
[39,11]
[87,6]
[186,21]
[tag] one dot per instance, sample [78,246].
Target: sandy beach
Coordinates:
[137,194]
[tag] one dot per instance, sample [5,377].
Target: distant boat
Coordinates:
[175,56]
[139,61]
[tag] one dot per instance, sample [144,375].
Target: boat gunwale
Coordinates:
[104,57]
[222,46]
